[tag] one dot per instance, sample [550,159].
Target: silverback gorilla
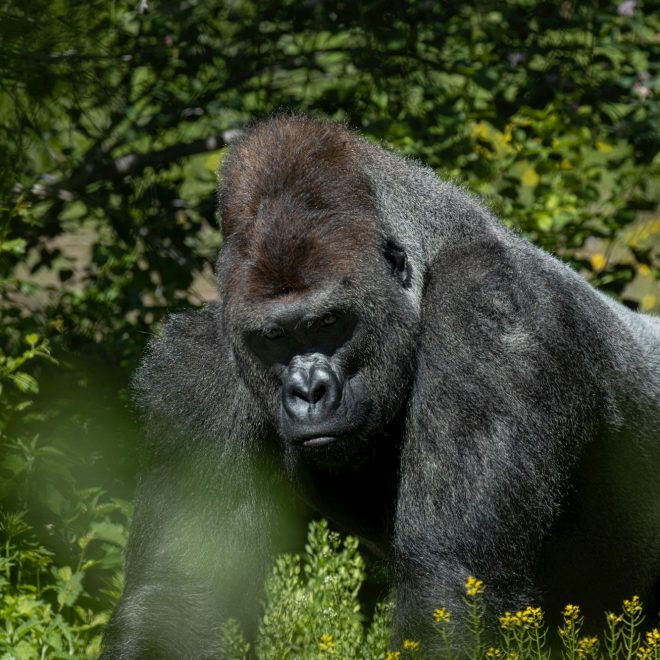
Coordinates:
[415,372]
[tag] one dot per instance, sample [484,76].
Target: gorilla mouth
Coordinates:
[318,441]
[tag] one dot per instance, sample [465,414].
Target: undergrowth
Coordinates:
[312,610]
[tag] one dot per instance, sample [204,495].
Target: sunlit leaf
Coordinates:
[25,382]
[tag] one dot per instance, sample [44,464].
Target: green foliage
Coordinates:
[548,109]
[46,607]
[113,120]
[312,609]
[33,625]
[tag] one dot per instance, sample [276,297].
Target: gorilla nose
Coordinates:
[311,390]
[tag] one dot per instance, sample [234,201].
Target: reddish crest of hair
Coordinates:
[295,205]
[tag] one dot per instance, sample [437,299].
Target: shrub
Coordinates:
[312,610]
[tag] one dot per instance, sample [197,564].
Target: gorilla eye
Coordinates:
[273,333]
[328,319]
[399,264]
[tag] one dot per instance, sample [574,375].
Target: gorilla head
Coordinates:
[316,294]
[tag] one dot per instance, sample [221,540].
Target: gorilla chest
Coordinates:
[361,500]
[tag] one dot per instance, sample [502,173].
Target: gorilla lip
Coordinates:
[320,441]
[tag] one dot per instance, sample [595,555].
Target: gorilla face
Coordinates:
[332,361]
[332,366]
[322,391]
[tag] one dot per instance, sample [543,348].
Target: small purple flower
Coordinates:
[626,8]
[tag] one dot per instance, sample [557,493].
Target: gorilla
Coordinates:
[386,354]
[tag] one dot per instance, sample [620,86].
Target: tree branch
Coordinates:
[128,165]
[134,163]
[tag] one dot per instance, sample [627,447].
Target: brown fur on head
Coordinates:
[295,204]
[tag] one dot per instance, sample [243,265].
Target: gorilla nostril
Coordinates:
[325,389]
[313,396]
[318,393]
[299,394]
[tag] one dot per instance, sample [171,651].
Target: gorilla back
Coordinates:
[387,351]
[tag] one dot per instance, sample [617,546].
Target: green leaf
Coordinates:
[111,532]
[23,651]
[14,463]
[25,382]
[17,246]
[32,339]
[69,586]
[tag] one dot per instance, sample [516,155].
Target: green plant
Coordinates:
[312,608]
[46,608]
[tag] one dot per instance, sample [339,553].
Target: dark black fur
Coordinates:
[503,416]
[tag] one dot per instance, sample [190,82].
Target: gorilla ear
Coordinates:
[398,261]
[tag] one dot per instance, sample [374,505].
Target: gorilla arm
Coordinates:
[506,393]
[200,535]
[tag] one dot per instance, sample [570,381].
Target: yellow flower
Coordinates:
[327,644]
[509,621]
[653,639]
[632,606]
[441,615]
[494,653]
[587,646]
[571,614]
[473,586]
[598,262]
[531,616]
[613,618]
[481,151]
[393,655]
[410,645]
[506,620]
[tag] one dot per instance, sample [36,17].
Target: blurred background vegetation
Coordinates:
[114,117]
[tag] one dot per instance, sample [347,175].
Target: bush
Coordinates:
[312,610]
[55,586]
